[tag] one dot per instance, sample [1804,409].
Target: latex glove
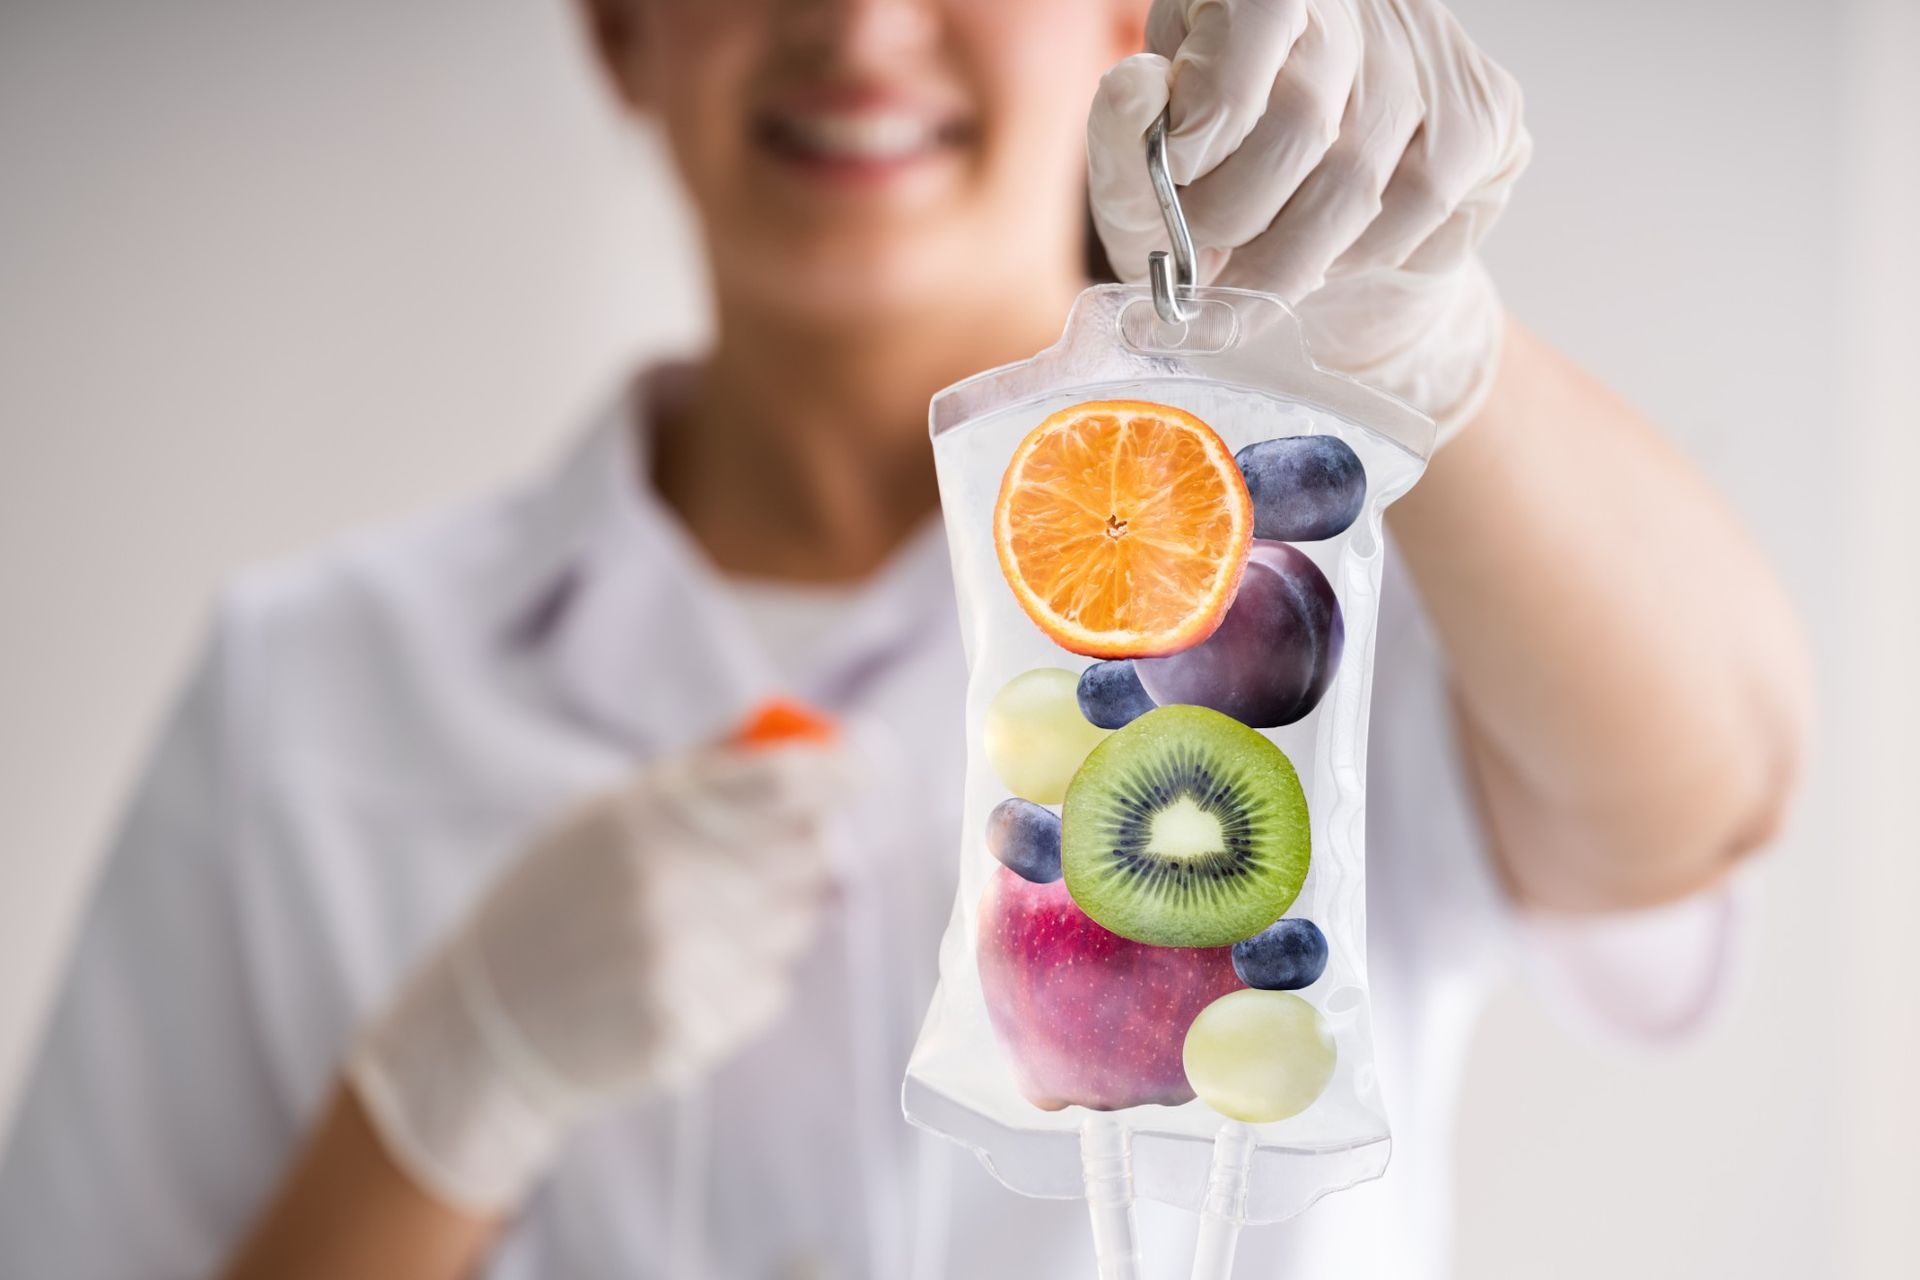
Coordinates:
[641,941]
[1347,155]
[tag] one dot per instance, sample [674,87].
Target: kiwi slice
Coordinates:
[1185,829]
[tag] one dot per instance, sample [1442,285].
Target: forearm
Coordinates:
[346,1209]
[1629,676]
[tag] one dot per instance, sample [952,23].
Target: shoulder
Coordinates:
[366,593]
[435,588]
[353,651]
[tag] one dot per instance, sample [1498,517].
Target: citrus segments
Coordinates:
[783,720]
[1123,528]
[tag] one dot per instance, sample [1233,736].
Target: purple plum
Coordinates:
[1275,652]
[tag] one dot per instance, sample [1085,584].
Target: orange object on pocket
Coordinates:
[783,720]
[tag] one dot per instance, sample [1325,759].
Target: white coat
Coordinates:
[373,731]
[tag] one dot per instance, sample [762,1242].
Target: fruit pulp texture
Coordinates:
[1186,828]
[1122,528]
[1089,1018]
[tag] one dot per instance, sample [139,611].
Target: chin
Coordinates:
[854,276]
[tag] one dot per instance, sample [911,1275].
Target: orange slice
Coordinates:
[1123,528]
[782,720]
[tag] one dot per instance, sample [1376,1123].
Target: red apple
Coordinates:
[1090,1018]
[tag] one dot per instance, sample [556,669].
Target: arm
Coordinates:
[151,1117]
[1632,695]
[594,971]
[1632,692]
[151,1125]
[346,1209]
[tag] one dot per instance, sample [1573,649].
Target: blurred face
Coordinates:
[857,159]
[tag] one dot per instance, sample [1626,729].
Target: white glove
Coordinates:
[1347,155]
[632,948]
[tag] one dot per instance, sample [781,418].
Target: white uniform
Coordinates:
[372,732]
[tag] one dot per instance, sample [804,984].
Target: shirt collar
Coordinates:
[624,620]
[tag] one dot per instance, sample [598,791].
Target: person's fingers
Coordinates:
[1306,105]
[1456,238]
[785,935]
[785,778]
[692,885]
[1342,196]
[733,797]
[1469,140]
[773,935]
[708,1025]
[755,921]
[1131,96]
[1419,197]
[805,864]
[1226,55]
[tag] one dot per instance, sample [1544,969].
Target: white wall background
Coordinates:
[267,270]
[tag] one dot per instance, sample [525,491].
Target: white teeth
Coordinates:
[860,135]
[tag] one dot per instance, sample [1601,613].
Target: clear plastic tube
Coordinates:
[1226,1205]
[933,1205]
[1106,1157]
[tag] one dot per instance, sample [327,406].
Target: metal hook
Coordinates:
[1171,278]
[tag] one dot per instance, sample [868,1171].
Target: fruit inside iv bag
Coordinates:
[1135,947]
[1185,829]
[1274,654]
[1123,528]
[1090,1018]
[1036,736]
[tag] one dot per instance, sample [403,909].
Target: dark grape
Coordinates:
[1304,488]
[1274,653]
[1111,696]
[1284,956]
[1026,837]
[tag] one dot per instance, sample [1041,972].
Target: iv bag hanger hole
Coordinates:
[1179,322]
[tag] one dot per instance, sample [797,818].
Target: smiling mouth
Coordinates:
[868,140]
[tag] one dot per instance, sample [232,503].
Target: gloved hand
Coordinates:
[1347,155]
[638,943]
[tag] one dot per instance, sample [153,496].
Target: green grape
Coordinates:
[1259,1055]
[1036,736]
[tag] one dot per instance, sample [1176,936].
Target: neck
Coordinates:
[802,452]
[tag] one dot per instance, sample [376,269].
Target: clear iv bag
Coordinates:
[1154,977]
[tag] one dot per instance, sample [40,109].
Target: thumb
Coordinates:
[1132,94]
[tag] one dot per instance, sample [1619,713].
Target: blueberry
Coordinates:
[1304,488]
[1026,836]
[1284,956]
[1111,695]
